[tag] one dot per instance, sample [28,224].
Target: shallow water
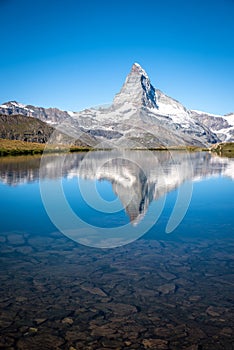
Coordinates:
[147,289]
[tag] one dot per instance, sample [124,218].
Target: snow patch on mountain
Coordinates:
[140,116]
[206,113]
[137,89]
[229,118]
[222,126]
[12,103]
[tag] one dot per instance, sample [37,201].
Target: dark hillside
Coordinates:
[19,127]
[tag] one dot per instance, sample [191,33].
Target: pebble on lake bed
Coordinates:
[167,288]
[67,320]
[159,344]
[66,296]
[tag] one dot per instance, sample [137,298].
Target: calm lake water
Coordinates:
[117,250]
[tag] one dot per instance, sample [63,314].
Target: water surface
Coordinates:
[147,288]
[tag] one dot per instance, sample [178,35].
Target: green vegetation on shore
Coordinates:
[224,149]
[16,147]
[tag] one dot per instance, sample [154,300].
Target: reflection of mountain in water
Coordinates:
[140,177]
[137,177]
[25,169]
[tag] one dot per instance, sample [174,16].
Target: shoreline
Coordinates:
[18,148]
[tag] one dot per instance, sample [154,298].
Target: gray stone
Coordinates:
[167,288]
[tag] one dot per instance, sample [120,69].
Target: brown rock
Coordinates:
[104,331]
[196,333]
[213,311]
[33,330]
[167,288]
[94,290]
[40,320]
[127,343]
[67,320]
[75,334]
[112,344]
[158,344]
[39,341]
[227,332]
[163,332]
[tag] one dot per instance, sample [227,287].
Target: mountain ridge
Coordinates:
[140,116]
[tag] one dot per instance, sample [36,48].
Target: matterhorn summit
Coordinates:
[137,89]
[143,117]
[140,116]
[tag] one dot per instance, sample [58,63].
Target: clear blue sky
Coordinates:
[73,54]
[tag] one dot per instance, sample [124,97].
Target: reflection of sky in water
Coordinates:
[104,188]
[116,201]
[87,211]
[210,213]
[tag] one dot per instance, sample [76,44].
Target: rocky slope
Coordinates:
[222,126]
[48,115]
[29,129]
[139,117]
[19,127]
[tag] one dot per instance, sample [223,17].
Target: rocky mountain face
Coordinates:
[19,127]
[222,126]
[29,129]
[139,117]
[143,117]
[48,115]
[137,90]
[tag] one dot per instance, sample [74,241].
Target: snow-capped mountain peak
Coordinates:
[140,116]
[137,89]
[221,125]
[136,67]
[12,103]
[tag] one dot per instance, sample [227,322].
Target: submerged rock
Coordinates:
[159,344]
[167,288]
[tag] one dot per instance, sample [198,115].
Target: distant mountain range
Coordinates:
[139,117]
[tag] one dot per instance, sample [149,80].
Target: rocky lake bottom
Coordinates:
[87,261]
[151,294]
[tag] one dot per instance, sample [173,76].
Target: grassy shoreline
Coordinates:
[16,147]
[223,149]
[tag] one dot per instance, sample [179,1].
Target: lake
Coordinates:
[117,250]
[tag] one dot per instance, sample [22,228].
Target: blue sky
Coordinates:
[74,54]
